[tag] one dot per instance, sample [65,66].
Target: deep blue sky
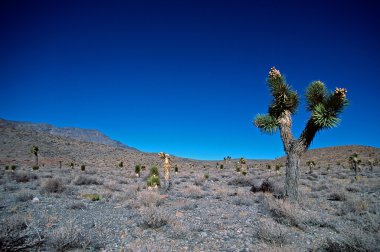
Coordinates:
[187,77]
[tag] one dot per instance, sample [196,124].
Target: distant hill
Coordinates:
[86,135]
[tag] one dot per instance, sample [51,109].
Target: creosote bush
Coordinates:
[35,167]
[92,196]
[83,167]
[206,176]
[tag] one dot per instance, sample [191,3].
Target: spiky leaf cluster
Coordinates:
[325,107]
[34,150]
[266,123]
[284,98]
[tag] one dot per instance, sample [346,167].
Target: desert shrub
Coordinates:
[240,181]
[175,168]
[153,217]
[353,189]
[355,205]
[86,180]
[194,192]
[35,167]
[337,196]
[149,198]
[350,239]
[83,167]
[77,205]
[153,181]
[271,232]
[92,196]
[23,177]
[206,176]
[284,212]
[266,186]
[221,167]
[7,167]
[113,186]
[66,237]
[18,235]
[13,167]
[242,201]
[24,196]
[154,171]
[53,186]
[121,164]
[198,181]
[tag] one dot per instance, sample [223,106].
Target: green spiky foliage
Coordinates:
[324,107]
[242,161]
[154,171]
[153,181]
[138,169]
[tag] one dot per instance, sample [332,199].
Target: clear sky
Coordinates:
[187,77]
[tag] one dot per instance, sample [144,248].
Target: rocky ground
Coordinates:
[107,208]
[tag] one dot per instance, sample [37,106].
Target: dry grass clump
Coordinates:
[351,239]
[284,212]
[113,186]
[77,205]
[66,237]
[86,180]
[149,198]
[53,186]
[18,235]
[23,177]
[24,196]
[194,192]
[355,205]
[337,195]
[271,232]
[153,217]
[241,181]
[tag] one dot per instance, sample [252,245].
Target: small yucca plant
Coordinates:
[137,170]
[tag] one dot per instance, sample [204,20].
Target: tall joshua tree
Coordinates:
[34,150]
[325,108]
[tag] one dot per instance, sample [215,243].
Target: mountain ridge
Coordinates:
[86,135]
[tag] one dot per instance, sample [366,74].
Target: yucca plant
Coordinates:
[34,150]
[324,107]
[311,164]
[137,170]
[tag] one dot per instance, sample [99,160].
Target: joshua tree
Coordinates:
[311,164]
[166,159]
[325,108]
[372,163]
[35,150]
[354,163]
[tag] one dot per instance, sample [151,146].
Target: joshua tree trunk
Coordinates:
[292,176]
[36,159]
